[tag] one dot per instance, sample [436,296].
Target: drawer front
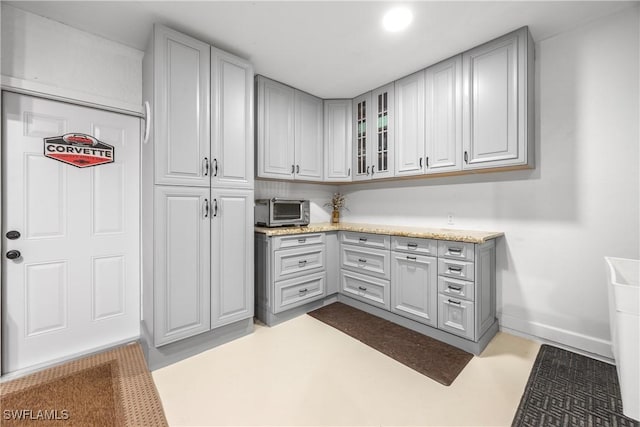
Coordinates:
[457,288]
[427,247]
[375,262]
[456,316]
[301,290]
[296,240]
[456,250]
[377,241]
[365,288]
[456,269]
[298,261]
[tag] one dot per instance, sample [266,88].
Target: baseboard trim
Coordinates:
[563,338]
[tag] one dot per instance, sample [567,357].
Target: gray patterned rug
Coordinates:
[568,389]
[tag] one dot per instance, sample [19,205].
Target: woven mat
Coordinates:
[113,388]
[568,389]
[435,359]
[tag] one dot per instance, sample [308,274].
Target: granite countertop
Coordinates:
[471,236]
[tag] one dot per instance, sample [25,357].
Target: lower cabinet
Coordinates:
[365,288]
[415,287]
[456,316]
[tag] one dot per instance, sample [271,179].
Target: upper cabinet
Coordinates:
[498,103]
[409,153]
[361,140]
[181,72]
[289,132]
[337,139]
[231,121]
[443,116]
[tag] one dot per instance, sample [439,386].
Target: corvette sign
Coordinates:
[78,149]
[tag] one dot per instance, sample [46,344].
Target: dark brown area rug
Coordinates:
[567,389]
[113,388]
[435,359]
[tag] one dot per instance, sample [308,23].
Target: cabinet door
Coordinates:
[361,142]
[496,102]
[456,316]
[181,109]
[409,140]
[275,137]
[337,140]
[308,136]
[415,287]
[182,263]
[443,123]
[383,135]
[232,256]
[232,121]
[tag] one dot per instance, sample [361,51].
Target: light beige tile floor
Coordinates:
[304,372]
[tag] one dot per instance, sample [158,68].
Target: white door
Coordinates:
[75,286]
[337,140]
[308,136]
[409,111]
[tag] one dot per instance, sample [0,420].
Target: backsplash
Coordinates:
[317,194]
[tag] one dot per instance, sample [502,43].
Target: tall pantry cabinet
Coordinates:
[197,203]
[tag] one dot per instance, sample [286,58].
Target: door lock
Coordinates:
[13,254]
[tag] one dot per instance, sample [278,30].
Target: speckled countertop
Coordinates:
[471,236]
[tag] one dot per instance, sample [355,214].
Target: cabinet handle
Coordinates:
[420,162]
[454,302]
[362,260]
[215,167]
[456,269]
[205,166]
[412,245]
[411,258]
[302,263]
[293,169]
[147,122]
[455,250]
[373,170]
[363,239]
[426,159]
[215,207]
[349,172]
[455,288]
[466,157]
[367,170]
[362,288]
[206,208]
[297,168]
[302,240]
[302,291]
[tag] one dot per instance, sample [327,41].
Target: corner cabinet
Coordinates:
[498,102]
[197,193]
[289,137]
[337,140]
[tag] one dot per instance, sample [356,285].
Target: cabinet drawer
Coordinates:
[298,261]
[456,250]
[365,288]
[296,240]
[301,290]
[456,316]
[456,288]
[456,269]
[427,247]
[378,241]
[375,262]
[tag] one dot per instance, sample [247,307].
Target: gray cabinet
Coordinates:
[409,140]
[362,131]
[498,102]
[337,140]
[290,132]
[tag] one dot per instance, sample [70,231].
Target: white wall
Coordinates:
[580,204]
[43,55]
[317,194]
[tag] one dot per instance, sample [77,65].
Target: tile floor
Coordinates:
[303,372]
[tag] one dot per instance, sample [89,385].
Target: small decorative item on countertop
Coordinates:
[337,202]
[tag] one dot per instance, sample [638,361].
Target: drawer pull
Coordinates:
[302,291]
[455,250]
[302,263]
[412,245]
[455,288]
[455,269]
[302,240]
[412,258]
[362,288]
[454,302]
[362,260]
[363,239]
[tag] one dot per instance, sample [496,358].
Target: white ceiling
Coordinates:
[330,49]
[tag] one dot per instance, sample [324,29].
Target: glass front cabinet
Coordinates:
[373,134]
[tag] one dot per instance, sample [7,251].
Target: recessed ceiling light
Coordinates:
[397,19]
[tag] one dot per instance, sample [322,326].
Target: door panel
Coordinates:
[362,129]
[232,255]
[308,140]
[415,288]
[76,286]
[382,162]
[409,138]
[337,140]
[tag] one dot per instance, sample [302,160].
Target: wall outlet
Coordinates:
[450,218]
